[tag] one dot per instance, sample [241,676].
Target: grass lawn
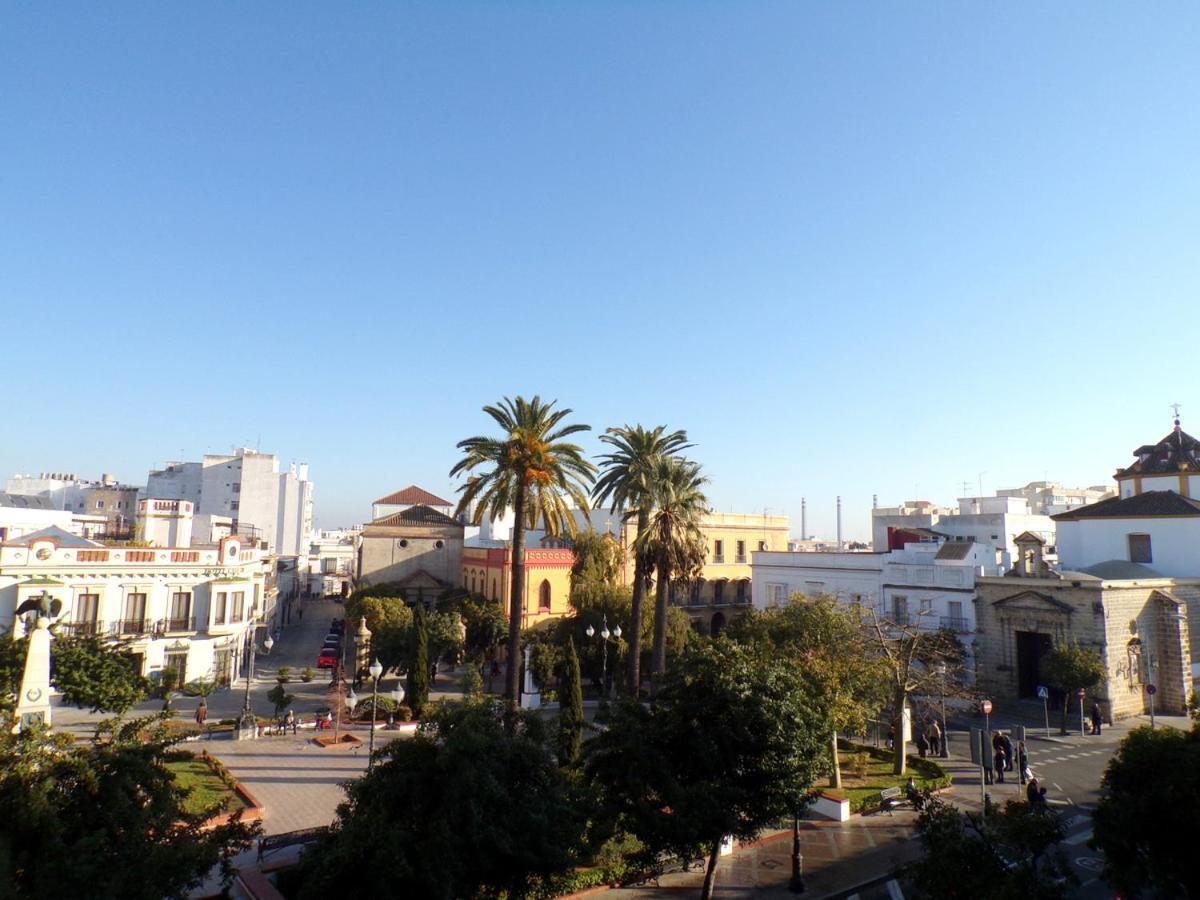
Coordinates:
[205,788]
[877,777]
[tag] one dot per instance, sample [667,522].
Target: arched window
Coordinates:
[495,595]
[544,596]
[718,622]
[472,583]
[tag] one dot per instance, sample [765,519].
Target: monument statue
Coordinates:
[33,702]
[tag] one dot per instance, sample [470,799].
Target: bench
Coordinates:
[890,798]
[289,839]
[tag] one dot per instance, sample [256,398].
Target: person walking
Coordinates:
[922,743]
[1035,794]
[1001,764]
[202,713]
[935,738]
[290,721]
[1007,747]
[1023,763]
[1097,718]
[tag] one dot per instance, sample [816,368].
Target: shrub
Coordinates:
[308,674]
[385,706]
[472,681]
[858,764]
[168,680]
[284,674]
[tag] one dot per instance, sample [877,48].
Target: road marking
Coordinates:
[1075,839]
[894,891]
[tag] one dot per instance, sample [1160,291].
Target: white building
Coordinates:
[111,501]
[985,520]
[331,561]
[1153,521]
[247,486]
[22,514]
[1049,498]
[183,607]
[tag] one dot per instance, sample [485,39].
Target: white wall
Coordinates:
[840,574]
[18,521]
[1174,543]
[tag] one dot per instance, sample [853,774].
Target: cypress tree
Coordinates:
[570,714]
[418,669]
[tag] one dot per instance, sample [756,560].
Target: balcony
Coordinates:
[132,627]
[956,623]
[169,626]
[740,559]
[80,629]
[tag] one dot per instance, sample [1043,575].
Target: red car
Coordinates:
[328,658]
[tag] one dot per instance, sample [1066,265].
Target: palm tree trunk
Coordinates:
[512,688]
[661,590]
[710,875]
[635,625]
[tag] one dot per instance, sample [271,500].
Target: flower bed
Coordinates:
[863,791]
[208,783]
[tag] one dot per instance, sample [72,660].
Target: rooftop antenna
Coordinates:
[966,486]
[981,474]
[1175,407]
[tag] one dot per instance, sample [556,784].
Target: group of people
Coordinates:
[1006,758]
[929,739]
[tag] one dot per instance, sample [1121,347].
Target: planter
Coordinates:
[831,806]
[342,740]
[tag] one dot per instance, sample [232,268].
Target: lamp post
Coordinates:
[376,670]
[941,670]
[246,726]
[796,885]
[605,637]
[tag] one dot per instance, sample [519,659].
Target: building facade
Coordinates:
[418,545]
[408,497]
[180,607]
[487,570]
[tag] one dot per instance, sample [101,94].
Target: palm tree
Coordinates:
[627,483]
[532,470]
[674,539]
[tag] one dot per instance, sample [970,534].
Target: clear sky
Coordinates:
[852,248]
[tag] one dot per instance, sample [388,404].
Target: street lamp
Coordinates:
[796,885]
[247,724]
[605,637]
[941,670]
[376,670]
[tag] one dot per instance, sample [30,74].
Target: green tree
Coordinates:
[280,698]
[598,558]
[12,669]
[418,665]
[1149,813]
[93,673]
[104,819]
[733,743]
[445,635]
[627,482]
[914,661]
[1005,854]
[570,714]
[1070,668]
[486,627]
[827,640]
[673,539]
[533,469]
[466,808]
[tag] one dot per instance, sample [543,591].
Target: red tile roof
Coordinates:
[413,496]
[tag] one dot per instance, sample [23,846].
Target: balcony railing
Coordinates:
[132,627]
[956,623]
[178,624]
[79,629]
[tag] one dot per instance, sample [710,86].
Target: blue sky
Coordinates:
[852,248]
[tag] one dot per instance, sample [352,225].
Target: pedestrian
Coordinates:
[1006,745]
[300,613]
[433,671]
[290,722]
[1001,765]
[988,776]
[1023,763]
[202,712]
[1097,717]
[934,736]
[891,738]
[1035,794]
[922,743]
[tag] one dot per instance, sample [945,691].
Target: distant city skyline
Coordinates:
[851,249]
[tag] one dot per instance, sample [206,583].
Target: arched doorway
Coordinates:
[718,623]
[544,596]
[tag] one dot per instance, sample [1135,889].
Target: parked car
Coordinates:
[328,658]
[333,641]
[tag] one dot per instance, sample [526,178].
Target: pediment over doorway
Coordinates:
[1031,601]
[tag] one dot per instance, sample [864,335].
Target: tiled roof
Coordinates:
[1148,504]
[1177,452]
[416,515]
[954,550]
[1121,570]
[413,496]
[26,501]
[56,534]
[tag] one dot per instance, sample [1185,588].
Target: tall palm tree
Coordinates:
[533,469]
[627,482]
[674,539]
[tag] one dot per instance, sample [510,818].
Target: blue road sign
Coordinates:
[1043,692]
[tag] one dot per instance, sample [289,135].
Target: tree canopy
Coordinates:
[1149,813]
[104,819]
[598,558]
[1070,668]
[466,808]
[733,743]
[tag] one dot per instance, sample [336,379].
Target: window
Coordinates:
[495,595]
[87,610]
[762,545]
[99,504]
[234,505]
[1139,548]
[220,606]
[741,551]
[926,606]
[776,593]
[177,660]
[239,606]
[237,488]
[718,592]
[900,610]
[223,666]
[134,621]
[718,551]
[181,611]
[544,597]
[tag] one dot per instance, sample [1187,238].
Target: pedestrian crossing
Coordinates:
[1064,757]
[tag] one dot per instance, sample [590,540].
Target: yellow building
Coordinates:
[488,571]
[722,591]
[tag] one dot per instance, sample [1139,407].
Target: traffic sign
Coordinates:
[1081,693]
[1043,692]
[986,706]
[1150,689]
